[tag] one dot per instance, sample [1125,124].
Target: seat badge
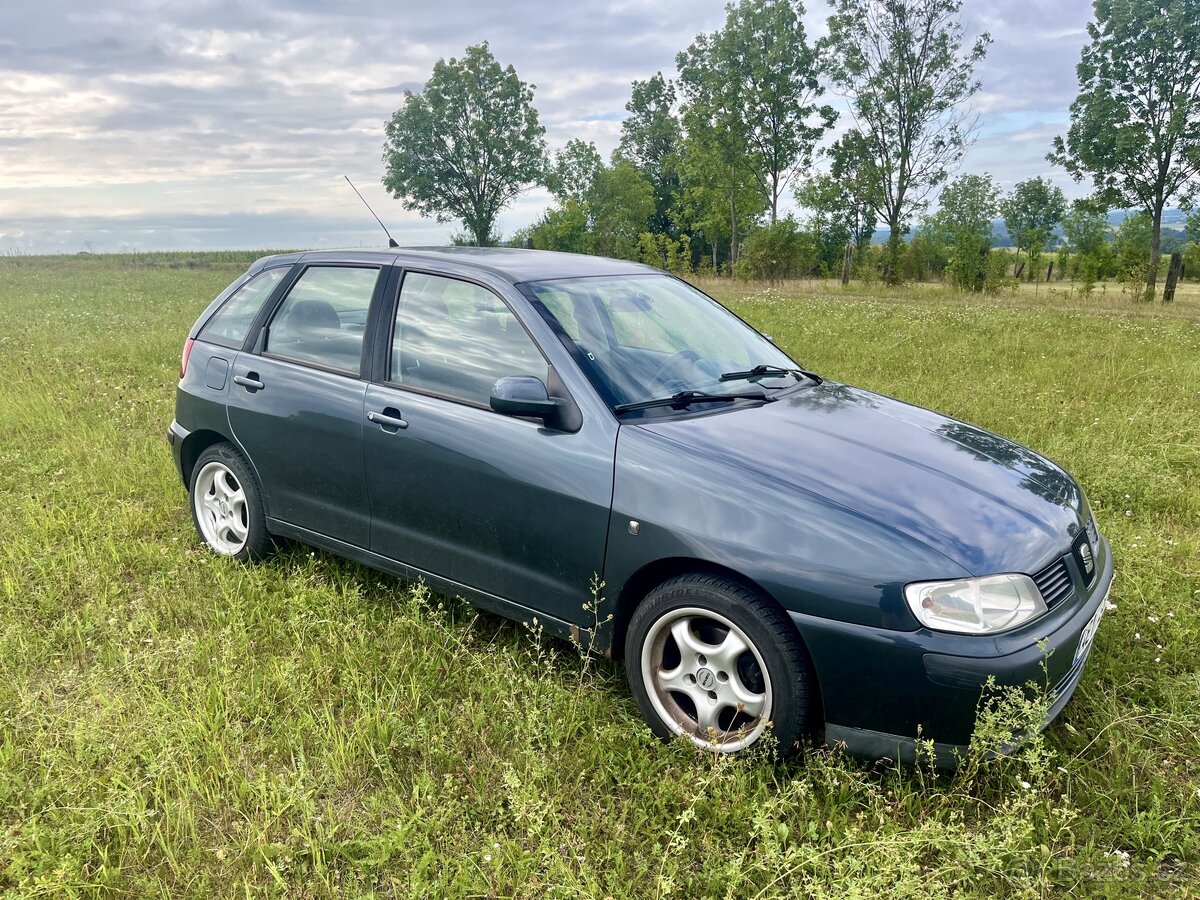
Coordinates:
[1085,555]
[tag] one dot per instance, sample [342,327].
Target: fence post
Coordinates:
[1173,273]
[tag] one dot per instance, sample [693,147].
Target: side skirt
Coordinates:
[490,602]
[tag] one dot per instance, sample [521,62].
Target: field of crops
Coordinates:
[174,724]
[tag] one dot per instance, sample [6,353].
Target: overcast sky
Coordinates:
[161,124]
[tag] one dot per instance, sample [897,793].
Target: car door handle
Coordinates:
[386,421]
[249,381]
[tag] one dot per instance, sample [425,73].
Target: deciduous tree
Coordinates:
[756,83]
[574,171]
[467,144]
[1031,212]
[650,139]
[908,70]
[963,224]
[1135,125]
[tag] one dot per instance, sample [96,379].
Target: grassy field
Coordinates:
[173,724]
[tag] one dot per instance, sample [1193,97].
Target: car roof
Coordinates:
[512,264]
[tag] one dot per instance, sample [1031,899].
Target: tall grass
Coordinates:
[171,724]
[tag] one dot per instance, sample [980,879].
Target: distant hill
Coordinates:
[1174,220]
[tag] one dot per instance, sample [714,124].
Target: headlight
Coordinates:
[975,605]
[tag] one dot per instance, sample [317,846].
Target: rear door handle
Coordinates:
[387,422]
[249,381]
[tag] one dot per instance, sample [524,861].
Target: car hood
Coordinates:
[981,500]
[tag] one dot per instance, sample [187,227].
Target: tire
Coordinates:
[710,659]
[226,505]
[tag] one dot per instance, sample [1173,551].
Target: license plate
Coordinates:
[1089,635]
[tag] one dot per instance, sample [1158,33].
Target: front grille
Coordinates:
[1054,582]
[1093,533]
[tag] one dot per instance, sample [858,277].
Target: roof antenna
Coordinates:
[391,240]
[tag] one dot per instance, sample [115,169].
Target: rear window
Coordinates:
[231,323]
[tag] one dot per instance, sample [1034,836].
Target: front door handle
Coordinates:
[249,381]
[388,422]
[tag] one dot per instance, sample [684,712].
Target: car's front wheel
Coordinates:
[227,506]
[710,659]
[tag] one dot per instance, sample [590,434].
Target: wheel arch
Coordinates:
[654,573]
[195,444]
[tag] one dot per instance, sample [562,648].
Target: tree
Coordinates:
[467,144]
[778,250]
[718,199]
[903,65]
[564,228]
[1086,229]
[1135,127]
[756,84]
[837,219]
[963,225]
[650,139]
[574,171]
[1031,212]
[1130,245]
[621,203]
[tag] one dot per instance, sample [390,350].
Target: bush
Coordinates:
[778,251]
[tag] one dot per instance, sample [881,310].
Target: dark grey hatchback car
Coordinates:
[780,551]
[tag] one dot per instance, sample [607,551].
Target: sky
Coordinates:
[214,124]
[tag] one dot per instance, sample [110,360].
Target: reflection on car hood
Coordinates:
[979,499]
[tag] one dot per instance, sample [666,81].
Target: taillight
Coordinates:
[187,351]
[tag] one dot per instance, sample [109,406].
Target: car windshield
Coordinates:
[643,337]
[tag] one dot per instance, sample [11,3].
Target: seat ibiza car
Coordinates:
[779,550]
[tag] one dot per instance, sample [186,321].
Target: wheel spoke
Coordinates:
[685,640]
[672,679]
[725,655]
[227,536]
[224,485]
[239,530]
[706,711]
[751,703]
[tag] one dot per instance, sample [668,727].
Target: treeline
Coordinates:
[708,157]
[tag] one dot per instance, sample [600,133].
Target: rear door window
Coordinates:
[230,324]
[322,320]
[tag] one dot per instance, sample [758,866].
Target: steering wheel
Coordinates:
[674,359]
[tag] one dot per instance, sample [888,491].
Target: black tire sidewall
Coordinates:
[763,623]
[258,539]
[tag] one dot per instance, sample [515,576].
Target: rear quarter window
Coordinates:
[231,323]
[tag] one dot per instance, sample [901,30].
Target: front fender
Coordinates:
[811,555]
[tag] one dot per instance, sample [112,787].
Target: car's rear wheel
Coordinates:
[712,660]
[227,505]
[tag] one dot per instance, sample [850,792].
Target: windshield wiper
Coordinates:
[768,371]
[686,398]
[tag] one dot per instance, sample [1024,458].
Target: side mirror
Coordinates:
[525,396]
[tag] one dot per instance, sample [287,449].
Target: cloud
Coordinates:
[217,123]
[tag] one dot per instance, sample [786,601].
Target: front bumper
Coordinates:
[881,688]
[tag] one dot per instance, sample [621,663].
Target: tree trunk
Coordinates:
[1155,252]
[892,269]
[847,262]
[732,233]
[1173,275]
